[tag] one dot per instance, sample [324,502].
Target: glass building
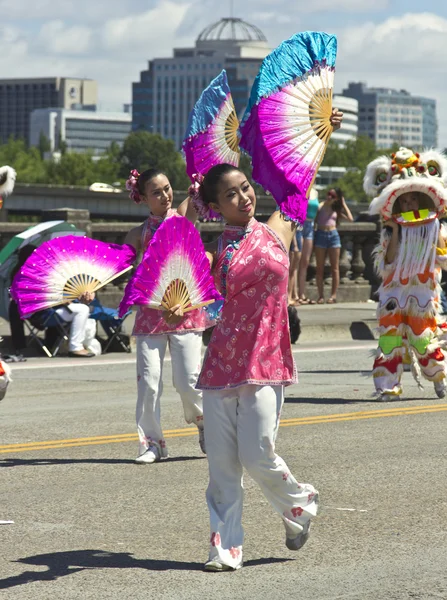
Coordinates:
[390,116]
[168,90]
[80,130]
[19,97]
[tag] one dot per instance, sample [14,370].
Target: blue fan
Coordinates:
[286,127]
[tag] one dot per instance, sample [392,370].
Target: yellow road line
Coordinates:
[189,431]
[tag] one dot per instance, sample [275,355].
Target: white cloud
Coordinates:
[402,53]
[112,41]
[146,35]
[56,38]
[86,11]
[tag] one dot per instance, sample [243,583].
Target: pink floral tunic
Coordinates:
[251,341]
[149,321]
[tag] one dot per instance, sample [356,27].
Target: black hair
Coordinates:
[146,176]
[337,205]
[208,187]
[294,324]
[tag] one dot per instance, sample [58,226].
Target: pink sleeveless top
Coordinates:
[327,219]
[251,341]
[149,321]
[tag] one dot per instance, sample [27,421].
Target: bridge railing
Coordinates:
[357,279]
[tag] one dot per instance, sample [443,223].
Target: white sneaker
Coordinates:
[151,455]
[202,440]
[440,388]
[216,566]
[387,398]
[298,541]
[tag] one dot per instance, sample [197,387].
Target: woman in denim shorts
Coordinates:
[304,240]
[327,240]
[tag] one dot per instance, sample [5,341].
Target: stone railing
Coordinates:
[357,280]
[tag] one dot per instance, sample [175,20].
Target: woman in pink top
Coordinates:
[156,331]
[327,240]
[247,364]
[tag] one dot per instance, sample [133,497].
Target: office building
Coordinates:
[168,90]
[19,97]
[349,128]
[389,116]
[79,130]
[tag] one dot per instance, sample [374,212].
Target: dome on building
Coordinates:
[232,29]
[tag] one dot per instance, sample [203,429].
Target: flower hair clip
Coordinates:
[132,186]
[203,210]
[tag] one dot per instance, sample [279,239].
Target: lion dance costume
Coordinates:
[410,326]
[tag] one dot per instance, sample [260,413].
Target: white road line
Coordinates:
[87,362]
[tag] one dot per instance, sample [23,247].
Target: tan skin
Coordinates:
[158,197]
[407,202]
[236,202]
[333,253]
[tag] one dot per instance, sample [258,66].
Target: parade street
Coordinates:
[88,523]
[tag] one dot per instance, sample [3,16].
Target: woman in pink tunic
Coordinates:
[156,331]
[248,363]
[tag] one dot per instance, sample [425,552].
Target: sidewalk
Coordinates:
[343,321]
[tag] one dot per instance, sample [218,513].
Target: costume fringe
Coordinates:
[417,250]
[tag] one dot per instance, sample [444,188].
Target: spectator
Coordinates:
[327,240]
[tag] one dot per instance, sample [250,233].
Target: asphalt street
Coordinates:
[88,523]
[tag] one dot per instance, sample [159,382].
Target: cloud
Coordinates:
[112,41]
[146,35]
[57,38]
[85,11]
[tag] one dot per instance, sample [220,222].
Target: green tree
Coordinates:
[143,150]
[26,161]
[44,144]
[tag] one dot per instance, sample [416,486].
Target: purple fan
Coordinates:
[63,269]
[286,127]
[175,270]
[211,137]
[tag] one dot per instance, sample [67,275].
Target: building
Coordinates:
[80,130]
[168,90]
[19,97]
[391,117]
[349,128]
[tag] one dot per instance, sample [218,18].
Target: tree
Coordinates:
[44,144]
[143,150]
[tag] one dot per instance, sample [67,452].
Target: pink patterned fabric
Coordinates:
[149,321]
[251,341]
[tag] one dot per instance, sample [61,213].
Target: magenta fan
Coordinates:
[286,127]
[211,136]
[61,270]
[174,270]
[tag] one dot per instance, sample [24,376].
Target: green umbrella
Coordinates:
[36,235]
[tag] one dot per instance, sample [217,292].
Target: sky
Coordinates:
[388,43]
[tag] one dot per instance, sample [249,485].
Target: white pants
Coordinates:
[241,425]
[77,316]
[186,356]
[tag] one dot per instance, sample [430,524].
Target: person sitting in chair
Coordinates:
[77,313]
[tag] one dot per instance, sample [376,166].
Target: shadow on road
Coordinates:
[61,564]
[293,400]
[333,371]
[32,462]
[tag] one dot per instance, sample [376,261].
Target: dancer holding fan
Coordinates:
[154,330]
[249,358]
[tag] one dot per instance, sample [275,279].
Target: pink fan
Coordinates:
[174,270]
[61,270]
[286,127]
[211,135]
